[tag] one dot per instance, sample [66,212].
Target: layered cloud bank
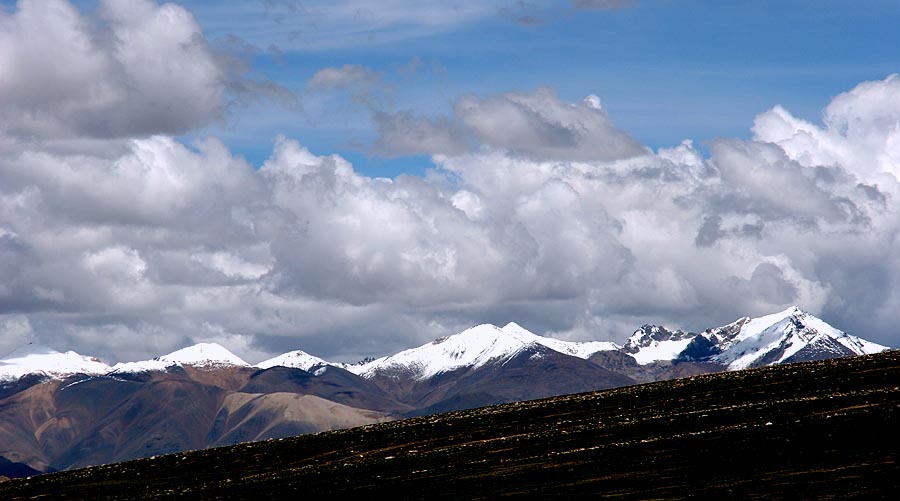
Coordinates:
[115,238]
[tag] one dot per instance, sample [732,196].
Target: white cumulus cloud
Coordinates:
[119,240]
[133,68]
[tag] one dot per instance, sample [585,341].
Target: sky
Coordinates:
[353,178]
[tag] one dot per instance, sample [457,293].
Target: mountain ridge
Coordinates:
[204,396]
[740,344]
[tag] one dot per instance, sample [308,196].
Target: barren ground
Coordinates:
[812,430]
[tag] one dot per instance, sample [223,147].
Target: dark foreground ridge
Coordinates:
[810,430]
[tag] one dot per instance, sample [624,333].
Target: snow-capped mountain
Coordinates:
[198,355]
[36,359]
[473,348]
[119,413]
[788,336]
[297,359]
[203,354]
[792,335]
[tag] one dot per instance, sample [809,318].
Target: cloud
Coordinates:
[340,78]
[250,257]
[540,125]
[405,133]
[126,69]
[363,84]
[520,12]
[134,68]
[15,331]
[859,132]
[535,125]
[128,244]
[767,183]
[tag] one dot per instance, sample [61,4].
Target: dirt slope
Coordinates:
[812,430]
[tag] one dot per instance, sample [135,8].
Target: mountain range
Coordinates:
[811,430]
[65,410]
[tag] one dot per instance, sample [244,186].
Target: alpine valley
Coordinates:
[60,411]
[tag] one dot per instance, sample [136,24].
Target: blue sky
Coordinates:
[665,70]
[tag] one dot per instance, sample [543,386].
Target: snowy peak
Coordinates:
[473,348]
[295,359]
[199,355]
[36,359]
[515,329]
[792,335]
[203,354]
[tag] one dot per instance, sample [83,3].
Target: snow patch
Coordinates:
[37,359]
[661,350]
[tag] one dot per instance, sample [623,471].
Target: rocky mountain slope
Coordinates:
[814,430]
[64,410]
[792,335]
[79,421]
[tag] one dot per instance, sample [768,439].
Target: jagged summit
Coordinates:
[651,343]
[790,335]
